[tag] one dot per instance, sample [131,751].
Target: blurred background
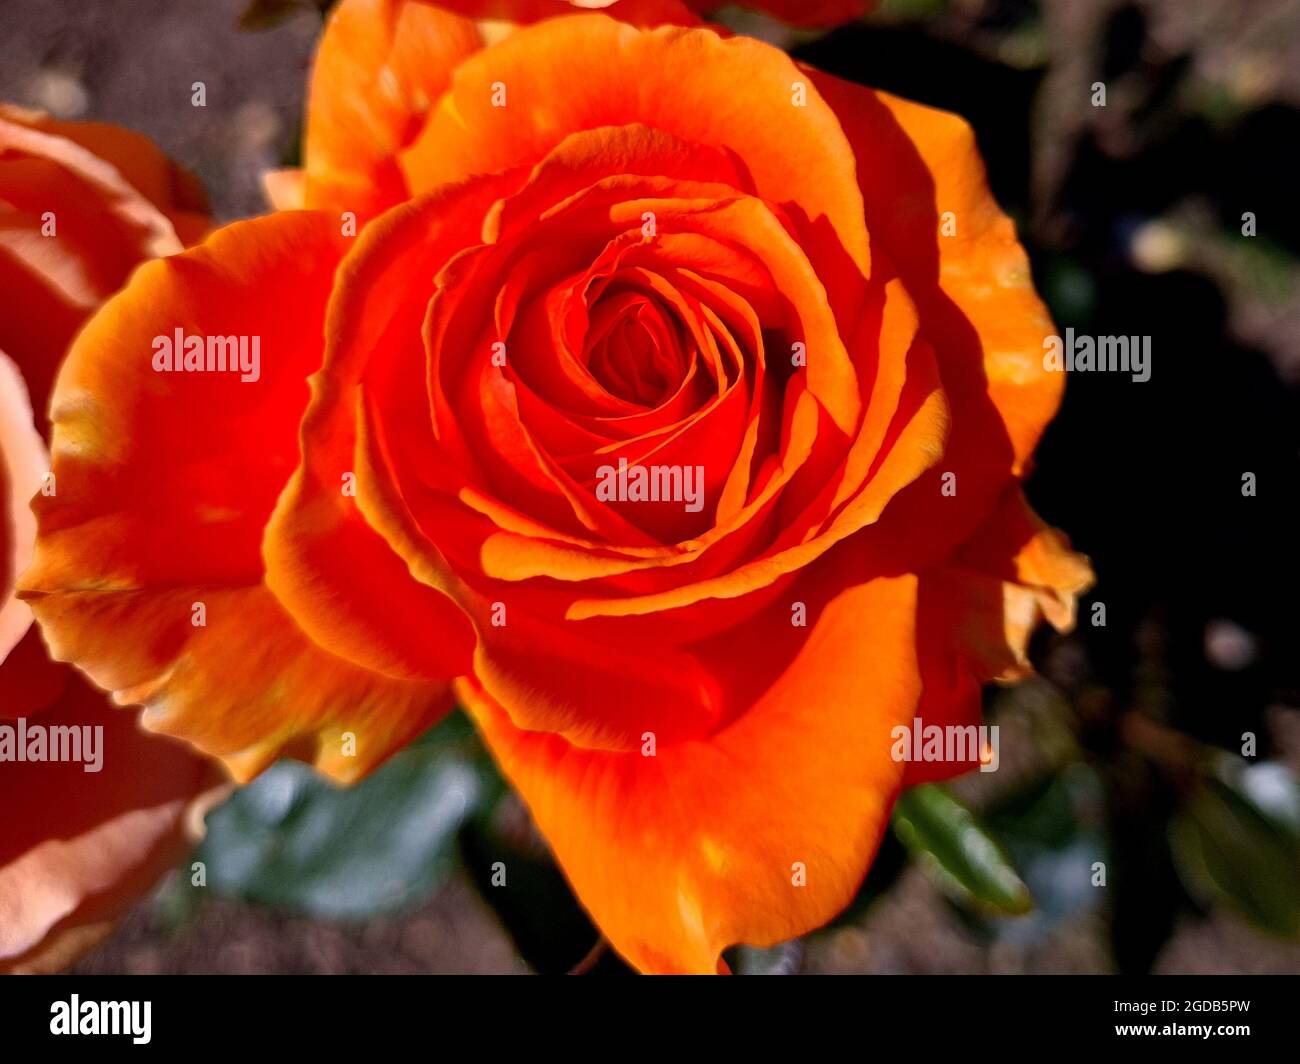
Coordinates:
[1126,751]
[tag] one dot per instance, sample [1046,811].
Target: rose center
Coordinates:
[634,349]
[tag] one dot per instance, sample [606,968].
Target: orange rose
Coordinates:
[662,424]
[80,206]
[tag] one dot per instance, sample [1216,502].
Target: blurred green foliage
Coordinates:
[293,840]
[955,846]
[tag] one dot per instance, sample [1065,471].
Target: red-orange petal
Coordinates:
[380,66]
[975,297]
[164,483]
[705,844]
[682,81]
[79,847]
[22,463]
[979,610]
[81,204]
[346,587]
[173,190]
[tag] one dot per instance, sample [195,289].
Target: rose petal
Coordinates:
[380,66]
[22,463]
[165,481]
[680,855]
[681,81]
[73,224]
[976,300]
[979,611]
[79,847]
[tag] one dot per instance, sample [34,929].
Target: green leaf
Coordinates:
[1229,848]
[293,840]
[958,851]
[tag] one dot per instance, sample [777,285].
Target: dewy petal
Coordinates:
[757,834]
[79,847]
[163,483]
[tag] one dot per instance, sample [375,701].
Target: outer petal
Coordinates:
[381,65]
[247,688]
[343,583]
[28,679]
[1041,579]
[79,847]
[681,81]
[286,189]
[680,855]
[174,191]
[81,204]
[380,68]
[978,612]
[982,269]
[976,299]
[22,462]
[165,481]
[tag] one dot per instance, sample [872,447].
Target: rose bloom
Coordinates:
[581,245]
[80,205]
